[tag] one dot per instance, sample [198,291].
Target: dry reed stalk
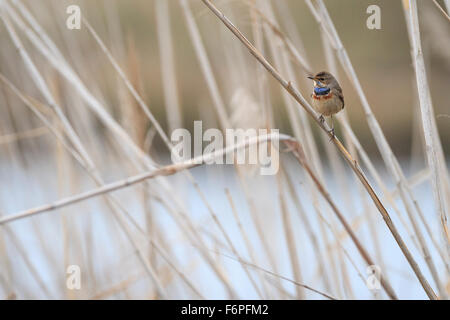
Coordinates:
[57,135]
[372,170]
[341,246]
[389,158]
[170,89]
[387,154]
[289,23]
[182,276]
[291,48]
[355,167]
[205,66]
[96,106]
[40,83]
[225,122]
[290,239]
[148,188]
[309,229]
[156,124]
[403,189]
[6,266]
[222,115]
[186,225]
[61,168]
[118,287]
[278,276]
[266,116]
[263,99]
[438,170]
[23,253]
[163,253]
[257,222]
[338,167]
[235,252]
[29,134]
[52,54]
[192,234]
[302,130]
[415,180]
[134,93]
[433,150]
[442,10]
[261,75]
[134,120]
[277,285]
[163,171]
[328,29]
[248,244]
[334,159]
[43,88]
[33,106]
[299,154]
[138,250]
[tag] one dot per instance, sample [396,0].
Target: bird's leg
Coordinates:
[332,127]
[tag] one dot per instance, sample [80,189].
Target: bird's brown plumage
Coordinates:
[332,102]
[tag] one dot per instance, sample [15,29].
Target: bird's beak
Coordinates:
[310,77]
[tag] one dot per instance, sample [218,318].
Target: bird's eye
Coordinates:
[321,79]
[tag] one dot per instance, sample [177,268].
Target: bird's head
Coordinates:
[323,79]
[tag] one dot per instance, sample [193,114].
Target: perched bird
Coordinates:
[327,97]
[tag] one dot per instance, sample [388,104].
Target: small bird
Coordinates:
[327,97]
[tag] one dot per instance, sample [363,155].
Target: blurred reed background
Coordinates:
[84,108]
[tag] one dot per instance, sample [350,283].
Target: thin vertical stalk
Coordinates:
[352,163]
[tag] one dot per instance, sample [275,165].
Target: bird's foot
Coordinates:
[331,132]
[321,119]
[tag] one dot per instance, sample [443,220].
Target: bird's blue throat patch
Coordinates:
[321,91]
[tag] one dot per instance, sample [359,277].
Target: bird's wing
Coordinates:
[338,92]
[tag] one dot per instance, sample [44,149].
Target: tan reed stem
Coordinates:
[352,163]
